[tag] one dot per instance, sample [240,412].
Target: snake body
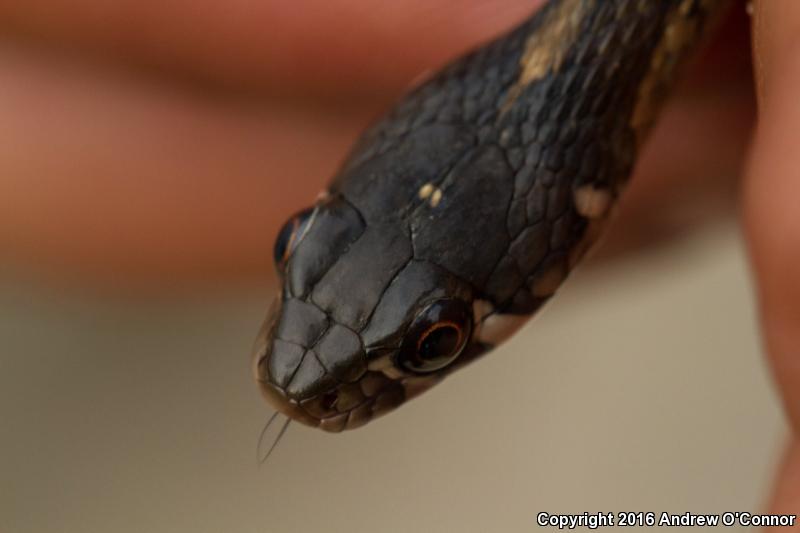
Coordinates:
[460,213]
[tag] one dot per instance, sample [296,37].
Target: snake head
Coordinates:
[359,325]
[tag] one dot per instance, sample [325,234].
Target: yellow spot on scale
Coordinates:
[426,190]
[431,193]
[591,202]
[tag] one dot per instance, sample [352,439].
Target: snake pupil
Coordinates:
[441,342]
[437,336]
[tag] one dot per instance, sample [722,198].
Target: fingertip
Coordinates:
[772,218]
[776,27]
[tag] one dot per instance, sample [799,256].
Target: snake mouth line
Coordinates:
[374,394]
[390,395]
[361,413]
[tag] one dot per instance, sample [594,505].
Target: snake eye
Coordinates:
[290,235]
[437,336]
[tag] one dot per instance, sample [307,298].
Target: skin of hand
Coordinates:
[160,145]
[772,219]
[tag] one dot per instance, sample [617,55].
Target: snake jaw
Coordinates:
[323,400]
[378,395]
[278,399]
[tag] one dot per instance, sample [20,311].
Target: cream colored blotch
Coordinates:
[493,328]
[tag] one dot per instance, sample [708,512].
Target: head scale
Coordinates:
[360,325]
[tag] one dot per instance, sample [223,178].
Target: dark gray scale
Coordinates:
[333,227]
[384,187]
[301,323]
[341,354]
[348,294]
[310,378]
[417,283]
[479,188]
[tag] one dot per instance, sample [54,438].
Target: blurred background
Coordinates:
[148,153]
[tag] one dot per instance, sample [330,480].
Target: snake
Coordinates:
[459,213]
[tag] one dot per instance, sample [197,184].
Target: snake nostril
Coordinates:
[329,400]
